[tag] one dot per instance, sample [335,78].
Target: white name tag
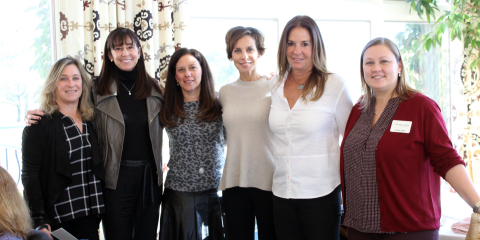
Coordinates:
[401,126]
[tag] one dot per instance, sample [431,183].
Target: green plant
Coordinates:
[462,22]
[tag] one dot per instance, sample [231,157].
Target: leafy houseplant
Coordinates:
[462,23]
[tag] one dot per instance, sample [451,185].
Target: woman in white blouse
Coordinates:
[309,111]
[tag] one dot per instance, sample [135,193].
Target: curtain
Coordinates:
[469,147]
[82,26]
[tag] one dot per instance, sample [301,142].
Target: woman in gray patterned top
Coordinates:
[192,117]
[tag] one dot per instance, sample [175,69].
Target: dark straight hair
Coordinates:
[172,111]
[108,76]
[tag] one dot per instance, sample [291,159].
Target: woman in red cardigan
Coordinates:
[395,149]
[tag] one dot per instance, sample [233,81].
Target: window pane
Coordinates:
[344,42]
[427,71]
[212,45]
[25,60]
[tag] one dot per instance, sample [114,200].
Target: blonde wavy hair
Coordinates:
[48,101]
[14,214]
[403,90]
[319,75]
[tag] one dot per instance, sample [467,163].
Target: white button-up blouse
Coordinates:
[306,140]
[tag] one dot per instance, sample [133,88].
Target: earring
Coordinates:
[178,84]
[111,60]
[399,74]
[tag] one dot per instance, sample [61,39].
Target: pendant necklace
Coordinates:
[300,86]
[198,156]
[129,91]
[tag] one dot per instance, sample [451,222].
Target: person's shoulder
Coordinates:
[419,99]
[8,236]
[335,78]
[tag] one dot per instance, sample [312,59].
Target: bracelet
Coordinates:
[476,207]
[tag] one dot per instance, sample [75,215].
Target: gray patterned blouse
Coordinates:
[360,168]
[196,153]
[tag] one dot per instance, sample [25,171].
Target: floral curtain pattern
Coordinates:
[469,141]
[82,26]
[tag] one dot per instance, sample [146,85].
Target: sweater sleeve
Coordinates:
[34,142]
[437,143]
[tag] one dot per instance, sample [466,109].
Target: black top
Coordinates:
[46,170]
[136,142]
[84,195]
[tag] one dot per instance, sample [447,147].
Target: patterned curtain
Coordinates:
[470,139]
[82,26]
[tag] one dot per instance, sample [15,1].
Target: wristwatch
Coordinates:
[476,207]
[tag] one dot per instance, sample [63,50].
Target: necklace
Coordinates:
[200,170]
[300,86]
[129,91]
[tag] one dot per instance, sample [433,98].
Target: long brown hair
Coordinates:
[14,215]
[403,90]
[319,75]
[172,109]
[48,98]
[143,82]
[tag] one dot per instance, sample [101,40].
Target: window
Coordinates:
[25,61]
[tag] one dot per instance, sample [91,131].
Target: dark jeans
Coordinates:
[422,235]
[312,219]
[242,206]
[129,211]
[82,227]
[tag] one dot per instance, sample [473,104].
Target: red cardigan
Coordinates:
[409,166]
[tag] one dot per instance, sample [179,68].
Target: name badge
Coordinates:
[401,126]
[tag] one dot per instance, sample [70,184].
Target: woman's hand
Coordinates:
[272,74]
[45,228]
[33,115]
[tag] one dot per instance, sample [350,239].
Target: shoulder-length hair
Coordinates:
[403,90]
[316,81]
[173,110]
[48,98]
[235,33]
[14,214]
[108,76]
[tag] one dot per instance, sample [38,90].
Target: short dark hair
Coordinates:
[173,110]
[108,75]
[235,33]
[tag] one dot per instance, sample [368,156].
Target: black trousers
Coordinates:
[130,213]
[82,227]
[242,206]
[312,219]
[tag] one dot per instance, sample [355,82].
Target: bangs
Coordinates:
[122,37]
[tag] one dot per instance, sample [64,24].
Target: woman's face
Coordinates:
[299,50]
[245,54]
[69,86]
[125,56]
[188,74]
[381,68]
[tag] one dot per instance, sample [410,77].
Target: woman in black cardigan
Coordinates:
[62,169]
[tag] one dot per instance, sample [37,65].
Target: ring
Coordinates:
[26,120]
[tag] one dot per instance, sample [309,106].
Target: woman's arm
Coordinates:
[34,141]
[458,178]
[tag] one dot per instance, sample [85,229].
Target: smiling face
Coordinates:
[188,74]
[299,49]
[125,55]
[380,69]
[69,86]
[245,54]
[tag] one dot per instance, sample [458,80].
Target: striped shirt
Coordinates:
[84,195]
